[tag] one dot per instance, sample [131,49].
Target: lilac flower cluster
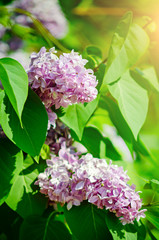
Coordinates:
[48,12]
[71,179]
[61,81]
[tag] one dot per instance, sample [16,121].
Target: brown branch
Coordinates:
[104,61]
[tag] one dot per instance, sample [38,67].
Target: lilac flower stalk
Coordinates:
[71,179]
[57,135]
[61,81]
[51,119]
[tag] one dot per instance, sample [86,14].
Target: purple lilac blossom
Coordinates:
[48,12]
[61,81]
[71,179]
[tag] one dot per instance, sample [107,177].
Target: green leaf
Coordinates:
[22,31]
[11,159]
[77,115]
[152,216]
[5,16]
[122,127]
[31,137]
[115,226]
[152,184]
[118,120]
[35,227]
[68,6]
[94,51]
[132,100]
[146,78]
[87,222]
[11,223]
[151,235]
[15,82]
[94,56]
[91,62]
[100,75]
[97,145]
[134,231]
[45,152]
[129,43]
[23,196]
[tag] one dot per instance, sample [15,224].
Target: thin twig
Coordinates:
[148,23]
[151,204]
[104,61]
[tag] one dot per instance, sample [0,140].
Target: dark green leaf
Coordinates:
[94,56]
[31,136]
[97,145]
[87,222]
[94,51]
[11,223]
[129,43]
[134,231]
[115,226]
[11,160]
[91,62]
[77,115]
[151,235]
[15,82]
[67,7]
[38,228]
[132,100]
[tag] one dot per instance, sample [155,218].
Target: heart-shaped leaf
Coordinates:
[77,115]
